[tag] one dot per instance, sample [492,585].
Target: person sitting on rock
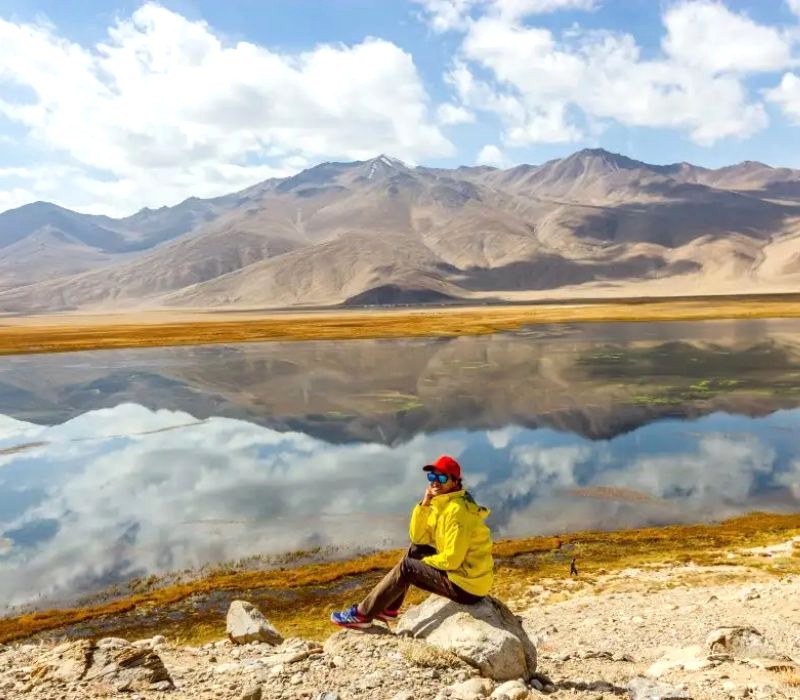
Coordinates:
[450,552]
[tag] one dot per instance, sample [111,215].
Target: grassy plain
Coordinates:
[299,599]
[66,332]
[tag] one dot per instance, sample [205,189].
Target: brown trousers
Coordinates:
[410,571]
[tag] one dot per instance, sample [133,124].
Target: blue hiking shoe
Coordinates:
[351,618]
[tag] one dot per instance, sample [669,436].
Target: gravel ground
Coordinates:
[638,634]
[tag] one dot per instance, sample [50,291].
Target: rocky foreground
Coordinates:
[647,634]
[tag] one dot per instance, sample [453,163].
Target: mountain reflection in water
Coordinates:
[117,464]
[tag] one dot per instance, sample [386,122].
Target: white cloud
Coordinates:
[794,6]
[492,155]
[787,96]
[708,36]
[450,115]
[446,15]
[524,8]
[551,89]
[450,15]
[165,108]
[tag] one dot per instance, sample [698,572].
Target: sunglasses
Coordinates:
[441,478]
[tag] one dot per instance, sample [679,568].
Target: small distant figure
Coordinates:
[559,543]
[573,570]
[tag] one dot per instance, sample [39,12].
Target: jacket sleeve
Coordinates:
[456,541]
[418,530]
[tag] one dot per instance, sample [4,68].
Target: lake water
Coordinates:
[123,463]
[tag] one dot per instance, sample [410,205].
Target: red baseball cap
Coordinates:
[445,465]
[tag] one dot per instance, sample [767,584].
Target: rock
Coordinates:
[136,669]
[372,680]
[151,643]
[751,594]
[112,643]
[65,663]
[471,690]
[687,658]
[645,689]
[349,642]
[327,695]
[404,695]
[245,623]
[738,641]
[111,661]
[541,682]
[486,635]
[781,664]
[252,692]
[291,651]
[513,690]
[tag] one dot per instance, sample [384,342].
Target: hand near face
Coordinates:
[430,492]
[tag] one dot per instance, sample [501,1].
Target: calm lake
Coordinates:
[115,464]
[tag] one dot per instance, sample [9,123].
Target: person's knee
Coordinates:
[406,566]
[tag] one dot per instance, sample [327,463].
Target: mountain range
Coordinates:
[594,224]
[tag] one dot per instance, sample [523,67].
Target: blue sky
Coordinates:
[108,106]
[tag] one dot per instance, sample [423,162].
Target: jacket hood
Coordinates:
[441,501]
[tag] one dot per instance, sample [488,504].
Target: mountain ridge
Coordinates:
[595,223]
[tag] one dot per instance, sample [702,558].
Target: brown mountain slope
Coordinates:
[377,231]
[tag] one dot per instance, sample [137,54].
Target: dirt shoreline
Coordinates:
[71,332]
[299,598]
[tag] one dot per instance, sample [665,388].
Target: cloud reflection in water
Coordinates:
[128,491]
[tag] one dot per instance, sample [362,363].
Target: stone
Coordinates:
[138,669]
[111,661]
[513,690]
[327,695]
[780,664]
[486,635]
[738,641]
[404,695]
[690,658]
[471,690]
[152,643]
[245,623]
[65,663]
[751,594]
[646,689]
[372,680]
[252,692]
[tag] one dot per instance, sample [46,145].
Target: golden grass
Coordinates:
[423,654]
[790,677]
[84,332]
[299,599]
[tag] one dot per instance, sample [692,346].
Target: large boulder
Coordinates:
[110,661]
[245,623]
[486,635]
[738,641]
[65,663]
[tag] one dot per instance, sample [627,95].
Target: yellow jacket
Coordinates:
[453,524]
